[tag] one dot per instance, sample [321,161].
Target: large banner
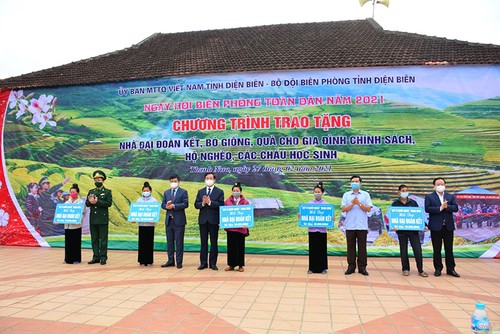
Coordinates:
[277,133]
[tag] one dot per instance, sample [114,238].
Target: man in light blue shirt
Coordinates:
[356,204]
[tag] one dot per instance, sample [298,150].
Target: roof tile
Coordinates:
[341,44]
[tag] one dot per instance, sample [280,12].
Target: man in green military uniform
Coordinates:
[99,200]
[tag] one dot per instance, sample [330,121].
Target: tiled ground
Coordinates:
[40,294]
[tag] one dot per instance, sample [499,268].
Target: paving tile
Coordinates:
[274,295]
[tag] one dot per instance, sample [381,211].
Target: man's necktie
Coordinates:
[209,192]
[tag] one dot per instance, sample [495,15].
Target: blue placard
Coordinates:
[316,215]
[406,218]
[144,212]
[236,216]
[68,213]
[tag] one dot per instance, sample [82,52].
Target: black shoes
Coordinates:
[363,272]
[179,266]
[93,261]
[103,262]
[201,267]
[352,271]
[165,265]
[453,273]
[214,267]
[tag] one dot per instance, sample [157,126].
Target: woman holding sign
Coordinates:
[73,232]
[318,259]
[406,235]
[236,236]
[146,231]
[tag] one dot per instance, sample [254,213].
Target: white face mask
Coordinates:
[440,189]
[318,195]
[146,193]
[174,185]
[405,194]
[236,194]
[209,183]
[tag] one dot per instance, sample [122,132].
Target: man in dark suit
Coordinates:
[99,200]
[175,201]
[440,206]
[208,200]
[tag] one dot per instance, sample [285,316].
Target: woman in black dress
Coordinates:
[318,259]
[73,232]
[146,231]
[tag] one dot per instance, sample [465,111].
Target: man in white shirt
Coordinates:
[356,204]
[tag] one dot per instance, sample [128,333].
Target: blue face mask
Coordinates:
[354,185]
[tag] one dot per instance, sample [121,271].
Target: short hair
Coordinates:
[237,184]
[356,176]
[438,178]
[208,173]
[175,176]
[402,186]
[319,186]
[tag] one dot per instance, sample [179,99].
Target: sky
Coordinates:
[42,34]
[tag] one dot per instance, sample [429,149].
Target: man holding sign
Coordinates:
[411,235]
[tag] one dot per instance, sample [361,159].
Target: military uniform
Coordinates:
[99,220]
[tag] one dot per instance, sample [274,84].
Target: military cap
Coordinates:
[99,173]
[43,180]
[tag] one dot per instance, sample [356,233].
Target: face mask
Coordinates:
[317,195]
[209,183]
[404,195]
[236,194]
[354,185]
[98,184]
[74,195]
[174,185]
[440,189]
[146,193]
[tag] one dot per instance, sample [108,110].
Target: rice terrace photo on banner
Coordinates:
[278,133]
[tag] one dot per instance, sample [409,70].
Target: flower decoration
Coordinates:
[4,218]
[41,110]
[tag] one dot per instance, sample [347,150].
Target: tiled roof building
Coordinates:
[342,44]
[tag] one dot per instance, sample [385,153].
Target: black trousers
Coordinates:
[235,249]
[175,242]
[206,230]
[318,259]
[146,244]
[359,237]
[438,238]
[73,245]
[414,239]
